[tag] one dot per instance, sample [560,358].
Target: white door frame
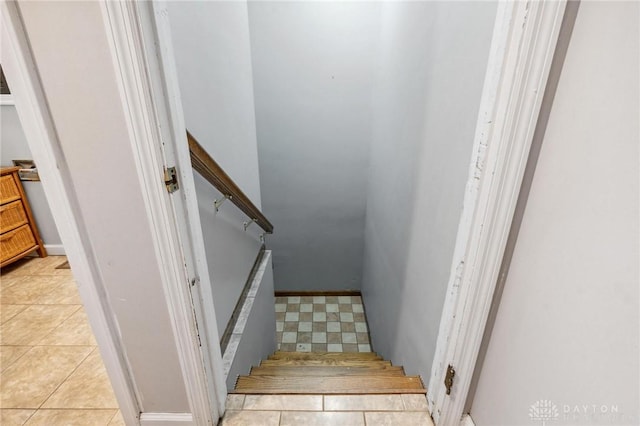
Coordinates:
[153,23]
[146,115]
[524,41]
[159,136]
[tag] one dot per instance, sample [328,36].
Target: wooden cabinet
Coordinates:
[20,235]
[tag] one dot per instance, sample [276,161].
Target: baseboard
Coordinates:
[467,421]
[287,293]
[166,419]
[55,249]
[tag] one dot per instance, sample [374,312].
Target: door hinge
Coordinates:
[171,179]
[448,378]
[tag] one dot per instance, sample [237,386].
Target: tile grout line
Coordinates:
[63,320]
[39,302]
[58,326]
[30,416]
[67,378]
[15,360]
[61,282]
[14,315]
[114,416]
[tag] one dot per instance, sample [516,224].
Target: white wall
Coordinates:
[213,60]
[313,66]
[567,328]
[13,146]
[74,63]
[431,67]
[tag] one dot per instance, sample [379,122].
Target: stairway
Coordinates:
[327,373]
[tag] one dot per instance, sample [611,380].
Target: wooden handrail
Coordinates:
[213,173]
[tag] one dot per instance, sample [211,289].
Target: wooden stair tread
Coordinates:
[325,363]
[327,373]
[329,384]
[380,370]
[326,355]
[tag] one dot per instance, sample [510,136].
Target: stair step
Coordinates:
[325,363]
[326,355]
[383,370]
[329,385]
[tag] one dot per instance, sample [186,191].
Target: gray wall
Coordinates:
[431,67]
[13,146]
[75,65]
[313,69]
[231,251]
[567,329]
[213,60]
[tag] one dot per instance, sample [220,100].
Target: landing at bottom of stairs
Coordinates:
[327,410]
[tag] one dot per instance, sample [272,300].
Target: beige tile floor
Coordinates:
[51,372]
[325,410]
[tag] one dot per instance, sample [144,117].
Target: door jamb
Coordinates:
[564,39]
[156,140]
[154,23]
[524,42]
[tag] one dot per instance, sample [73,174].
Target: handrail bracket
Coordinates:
[248,224]
[217,203]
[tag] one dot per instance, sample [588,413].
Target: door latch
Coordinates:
[448,378]
[171,179]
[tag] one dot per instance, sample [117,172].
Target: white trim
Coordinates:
[123,24]
[166,419]
[55,249]
[467,421]
[17,63]
[174,127]
[524,41]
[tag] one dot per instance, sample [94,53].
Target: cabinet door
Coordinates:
[8,189]
[15,242]
[12,215]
